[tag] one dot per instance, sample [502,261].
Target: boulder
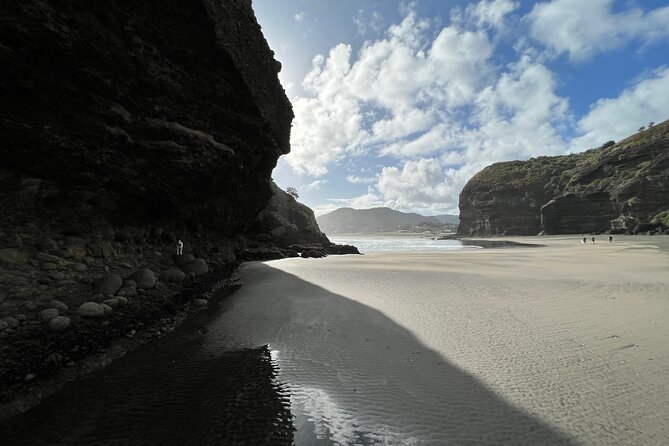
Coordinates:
[78,267]
[15,256]
[144,278]
[59,323]
[48,314]
[11,322]
[48,245]
[113,302]
[108,284]
[172,275]
[91,309]
[107,309]
[46,258]
[183,259]
[127,291]
[197,266]
[60,306]
[56,275]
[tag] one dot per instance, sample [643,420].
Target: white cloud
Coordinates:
[299,16]
[360,180]
[490,12]
[368,22]
[315,185]
[616,118]
[584,28]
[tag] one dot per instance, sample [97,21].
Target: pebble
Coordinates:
[48,314]
[11,322]
[30,306]
[172,275]
[107,309]
[122,300]
[29,377]
[60,306]
[91,309]
[108,284]
[34,262]
[21,317]
[127,291]
[197,266]
[113,302]
[47,258]
[79,267]
[59,323]
[145,278]
[200,302]
[3,324]
[130,334]
[43,281]
[49,266]
[56,275]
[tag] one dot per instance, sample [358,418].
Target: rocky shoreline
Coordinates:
[66,298]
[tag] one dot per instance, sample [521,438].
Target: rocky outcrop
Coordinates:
[142,110]
[287,221]
[617,188]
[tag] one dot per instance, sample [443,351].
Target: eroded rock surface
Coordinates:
[619,187]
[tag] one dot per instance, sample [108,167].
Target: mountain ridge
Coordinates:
[379,219]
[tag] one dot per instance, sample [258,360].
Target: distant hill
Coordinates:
[348,220]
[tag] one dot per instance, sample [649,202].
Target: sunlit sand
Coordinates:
[554,345]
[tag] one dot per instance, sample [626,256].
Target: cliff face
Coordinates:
[140,111]
[619,187]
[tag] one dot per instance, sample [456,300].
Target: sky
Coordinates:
[400,103]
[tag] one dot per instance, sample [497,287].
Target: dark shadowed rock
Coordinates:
[91,309]
[109,284]
[183,259]
[172,275]
[145,278]
[48,314]
[59,323]
[197,266]
[184,119]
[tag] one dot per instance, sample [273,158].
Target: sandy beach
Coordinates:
[565,344]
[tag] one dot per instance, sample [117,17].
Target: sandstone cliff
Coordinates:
[621,188]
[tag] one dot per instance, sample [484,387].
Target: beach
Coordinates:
[563,344]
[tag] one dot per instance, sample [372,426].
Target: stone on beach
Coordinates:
[59,323]
[58,305]
[172,275]
[197,266]
[91,309]
[108,284]
[145,278]
[183,259]
[48,314]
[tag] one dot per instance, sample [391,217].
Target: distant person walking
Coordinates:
[593,239]
[583,240]
[610,239]
[180,247]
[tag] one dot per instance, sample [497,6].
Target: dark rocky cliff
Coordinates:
[621,188]
[125,126]
[143,110]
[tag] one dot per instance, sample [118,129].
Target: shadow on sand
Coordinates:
[354,377]
[358,377]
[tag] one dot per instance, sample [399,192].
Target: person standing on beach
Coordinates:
[584,241]
[180,247]
[610,238]
[593,239]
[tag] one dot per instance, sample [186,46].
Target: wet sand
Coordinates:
[555,345]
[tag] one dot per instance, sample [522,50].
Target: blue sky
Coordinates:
[398,104]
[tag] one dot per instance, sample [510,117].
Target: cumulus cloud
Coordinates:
[584,28]
[616,118]
[368,22]
[299,16]
[433,104]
